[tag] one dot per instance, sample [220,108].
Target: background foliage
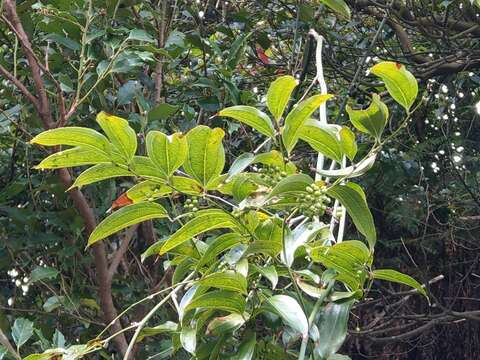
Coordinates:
[172,65]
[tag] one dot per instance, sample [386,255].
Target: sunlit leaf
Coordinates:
[126,216]
[400,83]
[339,6]
[120,134]
[298,117]
[100,172]
[398,277]
[227,280]
[167,152]
[322,138]
[251,117]
[371,120]
[206,155]
[77,156]
[219,300]
[278,95]
[229,323]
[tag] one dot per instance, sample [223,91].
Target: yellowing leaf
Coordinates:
[100,172]
[76,156]
[227,280]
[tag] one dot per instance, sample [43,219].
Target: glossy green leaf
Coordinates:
[348,258]
[400,83]
[129,215]
[73,136]
[302,234]
[348,143]
[167,152]
[240,164]
[400,278]
[332,328]
[339,6]
[77,156]
[278,95]
[291,184]
[167,327]
[140,35]
[120,134]
[223,324]
[290,312]
[251,117]
[205,220]
[22,331]
[298,117]
[206,155]
[218,246]
[246,350]
[322,138]
[371,120]
[100,172]
[227,280]
[188,339]
[353,198]
[219,300]
[269,272]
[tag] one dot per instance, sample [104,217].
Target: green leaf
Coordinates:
[127,92]
[348,143]
[252,117]
[398,277]
[188,339]
[218,246]
[278,95]
[140,35]
[129,215]
[291,184]
[269,272]
[219,300]
[206,155]
[290,312]
[348,258]
[167,327]
[142,166]
[298,117]
[332,328]
[77,156]
[221,325]
[121,135]
[42,273]
[371,120]
[205,220]
[322,138]
[100,172]
[302,234]
[400,83]
[162,111]
[22,330]
[352,171]
[353,198]
[167,152]
[339,6]
[73,136]
[227,280]
[240,164]
[246,349]
[147,190]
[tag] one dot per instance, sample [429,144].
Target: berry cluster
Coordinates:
[314,201]
[191,205]
[271,174]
